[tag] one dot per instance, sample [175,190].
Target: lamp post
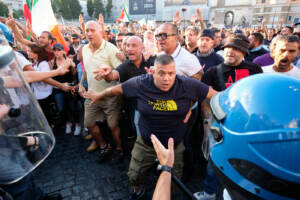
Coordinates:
[183,11]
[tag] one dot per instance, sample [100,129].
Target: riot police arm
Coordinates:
[108,92]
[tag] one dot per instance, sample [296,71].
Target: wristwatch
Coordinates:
[164,168]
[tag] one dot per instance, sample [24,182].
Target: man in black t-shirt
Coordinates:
[221,77]
[163,100]
[134,66]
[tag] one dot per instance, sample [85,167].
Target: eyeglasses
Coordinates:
[163,36]
[119,40]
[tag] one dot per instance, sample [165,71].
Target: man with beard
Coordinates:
[217,39]
[255,48]
[206,54]
[221,77]
[191,34]
[287,49]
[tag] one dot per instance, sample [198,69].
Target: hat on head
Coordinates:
[75,36]
[238,41]
[207,33]
[58,46]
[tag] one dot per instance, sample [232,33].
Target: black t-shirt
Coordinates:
[66,78]
[162,113]
[127,69]
[230,74]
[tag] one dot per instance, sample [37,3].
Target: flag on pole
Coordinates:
[43,19]
[124,17]
[27,10]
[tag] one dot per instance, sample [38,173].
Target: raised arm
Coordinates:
[108,92]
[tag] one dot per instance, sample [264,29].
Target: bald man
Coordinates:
[96,53]
[134,66]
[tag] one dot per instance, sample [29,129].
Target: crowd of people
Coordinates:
[162,78]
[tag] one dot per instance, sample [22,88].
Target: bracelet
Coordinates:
[35,142]
[164,168]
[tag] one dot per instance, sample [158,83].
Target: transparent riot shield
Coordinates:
[25,136]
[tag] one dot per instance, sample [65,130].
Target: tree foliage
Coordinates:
[90,7]
[98,8]
[3,9]
[69,9]
[17,14]
[109,6]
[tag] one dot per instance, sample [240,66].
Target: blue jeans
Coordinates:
[67,104]
[210,181]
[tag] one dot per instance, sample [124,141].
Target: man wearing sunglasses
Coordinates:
[186,63]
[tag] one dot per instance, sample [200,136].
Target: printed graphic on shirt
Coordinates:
[164,105]
[239,74]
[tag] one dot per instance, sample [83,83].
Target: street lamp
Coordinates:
[183,11]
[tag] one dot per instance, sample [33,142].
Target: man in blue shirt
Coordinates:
[163,100]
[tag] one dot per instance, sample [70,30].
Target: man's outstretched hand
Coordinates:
[165,156]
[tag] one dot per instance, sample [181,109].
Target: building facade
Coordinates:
[13,4]
[274,10]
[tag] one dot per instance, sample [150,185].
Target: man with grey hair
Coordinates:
[100,52]
[134,66]
[163,100]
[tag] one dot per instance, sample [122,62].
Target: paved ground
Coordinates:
[75,173]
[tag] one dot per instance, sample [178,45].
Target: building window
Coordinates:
[263,1]
[289,18]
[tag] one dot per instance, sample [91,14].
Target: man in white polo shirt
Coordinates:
[186,63]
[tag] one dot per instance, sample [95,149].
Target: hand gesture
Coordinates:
[66,87]
[177,18]
[92,95]
[63,70]
[264,20]
[11,23]
[149,70]
[199,15]
[4,109]
[81,20]
[121,56]
[281,19]
[103,71]
[100,19]
[165,156]
[81,90]
[193,19]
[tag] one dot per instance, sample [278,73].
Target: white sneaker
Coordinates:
[68,128]
[205,196]
[77,130]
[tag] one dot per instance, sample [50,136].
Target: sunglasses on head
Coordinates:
[163,36]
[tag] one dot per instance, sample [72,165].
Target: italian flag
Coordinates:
[41,17]
[124,17]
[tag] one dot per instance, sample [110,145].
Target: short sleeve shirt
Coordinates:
[230,74]
[295,72]
[128,70]
[186,64]
[162,113]
[105,55]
